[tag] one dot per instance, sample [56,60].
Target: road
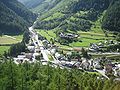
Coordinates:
[45,52]
[38,43]
[102,72]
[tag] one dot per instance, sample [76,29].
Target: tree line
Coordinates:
[111,20]
[35,76]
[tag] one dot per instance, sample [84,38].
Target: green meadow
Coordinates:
[84,39]
[6,41]
[3,49]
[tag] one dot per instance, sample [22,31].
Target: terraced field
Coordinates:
[85,37]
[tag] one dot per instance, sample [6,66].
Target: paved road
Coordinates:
[45,52]
[38,43]
[102,72]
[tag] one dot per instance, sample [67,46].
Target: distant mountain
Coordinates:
[31,3]
[76,14]
[14,17]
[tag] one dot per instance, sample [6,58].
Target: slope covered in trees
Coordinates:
[45,6]
[81,11]
[14,17]
[20,9]
[38,77]
[71,14]
[111,19]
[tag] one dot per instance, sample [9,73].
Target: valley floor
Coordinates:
[6,41]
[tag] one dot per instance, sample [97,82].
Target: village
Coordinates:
[41,50]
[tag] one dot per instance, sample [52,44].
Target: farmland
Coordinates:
[85,37]
[6,41]
[10,39]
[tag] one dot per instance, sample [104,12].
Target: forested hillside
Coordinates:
[14,17]
[38,77]
[45,6]
[72,15]
[111,19]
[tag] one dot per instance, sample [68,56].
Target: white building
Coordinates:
[31,48]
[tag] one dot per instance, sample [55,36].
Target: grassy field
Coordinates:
[84,43]
[48,34]
[3,48]
[85,37]
[110,56]
[10,39]
[94,36]
[54,16]
[90,37]
[5,39]
[50,57]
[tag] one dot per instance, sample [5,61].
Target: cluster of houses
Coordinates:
[23,57]
[67,35]
[82,63]
[103,64]
[106,65]
[34,50]
[30,55]
[94,47]
[98,47]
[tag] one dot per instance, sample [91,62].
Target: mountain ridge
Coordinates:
[88,12]
[93,9]
[14,17]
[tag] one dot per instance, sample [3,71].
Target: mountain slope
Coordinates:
[14,17]
[45,6]
[72,15]
[111,19]
[31,3]
[20,9]
[77,14]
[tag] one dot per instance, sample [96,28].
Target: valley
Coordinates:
[59,45]
[43,47]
